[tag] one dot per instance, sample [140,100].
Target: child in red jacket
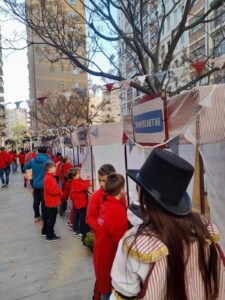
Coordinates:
[66,187]
[111,225]
[52,196]
[97,197]
[79,197]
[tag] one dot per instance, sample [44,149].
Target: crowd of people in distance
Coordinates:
[154,249]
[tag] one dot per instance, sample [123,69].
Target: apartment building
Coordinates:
[58,77]
[194,45]
[15,117]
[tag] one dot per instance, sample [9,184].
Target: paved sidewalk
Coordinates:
[29,267]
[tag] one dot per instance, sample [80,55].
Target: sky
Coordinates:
[15,68]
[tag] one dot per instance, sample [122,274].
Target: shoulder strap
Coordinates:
[220,251]
[144,286]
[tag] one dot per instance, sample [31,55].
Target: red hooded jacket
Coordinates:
[78,193]
[94,206]
[66,190]
[62,170]
[22,158]
[52,192]
[5,158]
[112,224]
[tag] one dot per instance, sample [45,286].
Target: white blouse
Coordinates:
[130,269]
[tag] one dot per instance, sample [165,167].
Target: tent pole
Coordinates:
[92,169]
[78,157]
[127,184]
[202,185]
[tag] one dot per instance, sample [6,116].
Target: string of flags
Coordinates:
[177,72]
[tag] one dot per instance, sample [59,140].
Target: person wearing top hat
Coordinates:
[174,254]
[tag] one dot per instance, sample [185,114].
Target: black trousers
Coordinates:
[39,200]
[49,222]
[79,224]
[62,207]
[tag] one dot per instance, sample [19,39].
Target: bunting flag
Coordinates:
[174,145]
[208,101]
[80,92]
[160,76]
[178,72]
[219,62]
[124,138]
[131,145]
[109,86]
[95,88]
[18,104]
[94,131]
[126,84]
[140,80]
[198,66]
[41,100]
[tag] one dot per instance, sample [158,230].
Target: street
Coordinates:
[29,267]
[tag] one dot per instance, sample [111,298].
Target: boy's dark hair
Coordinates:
[49,165]
[114,183]
[72,173]
[42,149]
[106,170]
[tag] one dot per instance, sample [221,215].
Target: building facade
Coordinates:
[61,76]
[15,117]
[205,41]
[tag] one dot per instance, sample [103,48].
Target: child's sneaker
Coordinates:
[76,233]
[37,220]
[70,226]
[80,235]
[53,239]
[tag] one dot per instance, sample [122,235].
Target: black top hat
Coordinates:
[166,176]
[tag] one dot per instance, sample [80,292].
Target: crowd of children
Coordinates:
[128,264]
[55,183]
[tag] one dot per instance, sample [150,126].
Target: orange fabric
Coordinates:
[78,193]
[52,192]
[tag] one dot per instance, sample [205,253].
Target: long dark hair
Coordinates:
[177,233]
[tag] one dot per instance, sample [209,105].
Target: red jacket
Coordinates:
[112,224]
[94,206]
[5,158]
[13,154]
[52,192]
[66,190]
[29,156]
[62,170]
[78,193]
[22,158]
[56,159]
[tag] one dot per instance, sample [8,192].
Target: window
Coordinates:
[72,1]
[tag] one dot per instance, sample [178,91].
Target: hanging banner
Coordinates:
[82,133]
[148,120]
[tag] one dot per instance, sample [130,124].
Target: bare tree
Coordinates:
[60,112]
[96,29]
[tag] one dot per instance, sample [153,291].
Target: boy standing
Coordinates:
[97,197]
[52,196]
[112,223]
